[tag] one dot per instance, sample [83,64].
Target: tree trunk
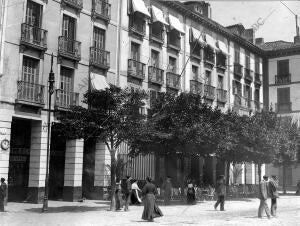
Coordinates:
[259,172]
[283,178]
[227,172]
[113,178]
[245,174]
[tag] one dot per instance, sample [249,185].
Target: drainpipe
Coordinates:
[118,50]
[184,52]
[228,74]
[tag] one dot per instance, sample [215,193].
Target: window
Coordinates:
[247,92]
[174,38]
[283,99]
[68,27]
[236,54]
[135,51]
[236,88]
[208,77]
[156,31]
[282,67]
[155,58]
[137,23]
[30,70]
[220,82]
[247,59]
[34,14]
[256,95]
[257,68]
[99,38]
[172,65]
[195,72]
[198,9]
[66,75]
[209,54]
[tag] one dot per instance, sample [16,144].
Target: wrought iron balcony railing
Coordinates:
[257,78]
[138,28]
[69,48]
[136,69]
[173,80]
[283,79]
[99,58]
[30,93]
[196,87]
[33,36]
[248,74]
[283,107]
[65,99]
[77,4]
[209,92]
[237,70]
[155,75]
[222,95]
[101,9]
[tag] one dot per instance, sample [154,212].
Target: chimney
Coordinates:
[249,35]
[259,41]
[297,37]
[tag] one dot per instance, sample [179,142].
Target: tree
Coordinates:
[113,116]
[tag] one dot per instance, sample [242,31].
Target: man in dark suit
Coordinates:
[220,191]
[263,196]
[273,191]
[127,192]
[3,190]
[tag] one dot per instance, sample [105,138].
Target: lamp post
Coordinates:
[50,92]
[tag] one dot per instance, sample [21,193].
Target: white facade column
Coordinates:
[102,168]
[37,165]
[253,173]
[73,170]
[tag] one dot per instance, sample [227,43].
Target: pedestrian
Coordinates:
[263,196]
[151,209]
[298,188]
[273,191]
[3,190]
[191,194]
[167,186]
[127,192]
[118,196]
[135,197]
[220,191]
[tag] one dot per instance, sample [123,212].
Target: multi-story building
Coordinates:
[281,93]
[153,45]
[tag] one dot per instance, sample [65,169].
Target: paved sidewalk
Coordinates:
[91,213]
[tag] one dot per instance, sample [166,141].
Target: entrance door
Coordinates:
[19,156]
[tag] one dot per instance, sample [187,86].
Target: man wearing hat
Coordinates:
[3,189]
[220,191]
[273,189]
[127,192]
[263,196]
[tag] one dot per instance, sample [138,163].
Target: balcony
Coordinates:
[156,36]
[237,70]
[30,93]
[65,99]
[257,78]
[138,28]
[196,87]
[283,79]
[136,69]
[155,75]
[209,58]
[174,43]
[221,95]
[209,92]
[34,37]
[77,4]
[173,81]
[283,107]
[69,48]
[101,9]
[248,75]
[99,58]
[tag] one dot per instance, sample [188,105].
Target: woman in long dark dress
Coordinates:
[191,194]
[151,210]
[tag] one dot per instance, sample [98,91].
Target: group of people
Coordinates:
[268,188]
[130,193]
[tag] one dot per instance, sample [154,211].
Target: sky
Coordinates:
[272,19]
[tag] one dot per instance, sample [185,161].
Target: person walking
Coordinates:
[127,192]
[298,188]
[263,196]
[167,186]
[3,190]
[151,210]
[273,191]
[220,191]
[191,194]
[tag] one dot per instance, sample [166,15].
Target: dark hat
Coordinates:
[2,179]
[265,177]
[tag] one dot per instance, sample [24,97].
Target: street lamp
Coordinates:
[50,92]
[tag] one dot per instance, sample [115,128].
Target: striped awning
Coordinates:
[197,36]
[222,47]
[139,6]
[176,24]
[158,15]
[210,41]
[98,82]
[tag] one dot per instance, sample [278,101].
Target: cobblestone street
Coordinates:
[242,212]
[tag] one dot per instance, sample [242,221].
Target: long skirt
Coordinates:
[191,196]
[151,210]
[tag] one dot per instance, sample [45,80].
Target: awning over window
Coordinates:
[222,47]
[210,41]
[195,36]
[158,15]
[98,82]
[139,6]
[175,24]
